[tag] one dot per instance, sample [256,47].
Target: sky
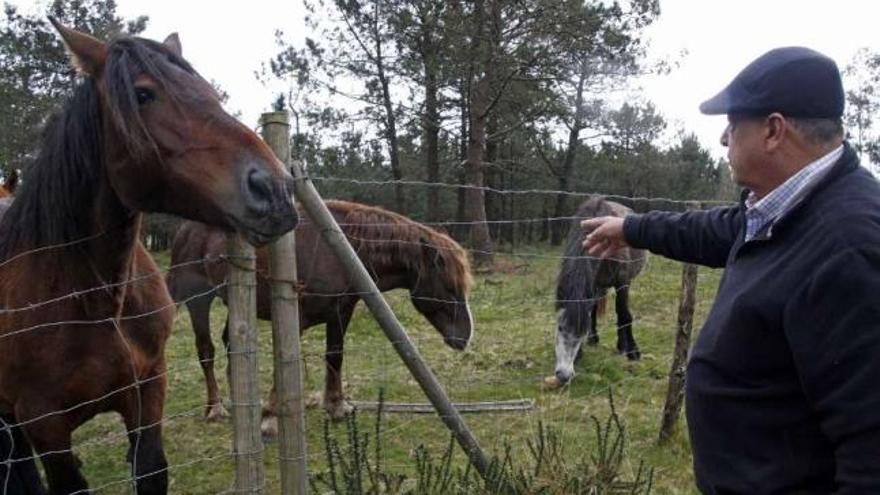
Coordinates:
[711,40]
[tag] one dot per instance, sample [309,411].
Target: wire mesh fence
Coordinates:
[508,356]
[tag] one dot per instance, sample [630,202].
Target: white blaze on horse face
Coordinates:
[467,307]
[567,346]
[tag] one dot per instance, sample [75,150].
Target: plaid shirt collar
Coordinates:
[762,214]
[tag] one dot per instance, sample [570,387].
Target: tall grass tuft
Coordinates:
[549,468]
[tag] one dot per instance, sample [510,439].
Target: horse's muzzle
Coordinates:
[269,209]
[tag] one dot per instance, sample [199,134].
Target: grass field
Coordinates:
[511,352]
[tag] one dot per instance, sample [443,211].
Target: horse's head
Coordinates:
[440,291]
[170,146]
[571,326]
[576,300]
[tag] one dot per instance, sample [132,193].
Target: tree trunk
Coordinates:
[492,179]
[431,130]
[460,227]
[559,227]
[475,203]
[474,197]
[390,124]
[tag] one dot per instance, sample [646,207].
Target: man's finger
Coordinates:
[591,223]
[596,248]
[609,252]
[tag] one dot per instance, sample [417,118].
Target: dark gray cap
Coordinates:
[794,81]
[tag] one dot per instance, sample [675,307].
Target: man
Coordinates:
[783,383]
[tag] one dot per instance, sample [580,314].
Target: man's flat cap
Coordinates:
[794,81]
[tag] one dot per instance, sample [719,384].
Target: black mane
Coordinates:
[55,203]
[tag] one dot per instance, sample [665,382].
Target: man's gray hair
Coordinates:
[818,131]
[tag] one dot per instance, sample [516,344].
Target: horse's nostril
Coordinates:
[259,187]
[457,343]
[563,376]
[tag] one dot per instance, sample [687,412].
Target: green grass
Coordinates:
[510,354]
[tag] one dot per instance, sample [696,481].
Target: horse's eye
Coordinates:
[144,95]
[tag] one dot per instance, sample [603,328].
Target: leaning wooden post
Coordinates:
[675,393]
[335,238]
[244,372]
[285,334]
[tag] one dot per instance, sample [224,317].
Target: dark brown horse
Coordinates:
[85,315]
[581,288]
[399,252]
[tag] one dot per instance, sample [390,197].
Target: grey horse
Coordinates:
[581,287]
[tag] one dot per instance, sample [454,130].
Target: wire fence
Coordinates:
[485,296]
[507,360]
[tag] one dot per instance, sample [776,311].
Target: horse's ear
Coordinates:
[172,42]
[87,54]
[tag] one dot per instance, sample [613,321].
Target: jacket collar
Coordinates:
[847,163]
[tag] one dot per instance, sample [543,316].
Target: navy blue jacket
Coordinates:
[783,382]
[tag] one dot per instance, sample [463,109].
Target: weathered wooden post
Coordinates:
[288,370]
[675,393]
[335,238]
[244,371]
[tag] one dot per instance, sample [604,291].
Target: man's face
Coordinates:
[743,139]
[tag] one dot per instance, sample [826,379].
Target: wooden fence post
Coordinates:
[288,370]
[335,238]
[675,393]
[244,371]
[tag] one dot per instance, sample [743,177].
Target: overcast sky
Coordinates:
[226,41]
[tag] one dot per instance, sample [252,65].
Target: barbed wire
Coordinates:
[79,293]
[363,182]
[5,427]
[226,258]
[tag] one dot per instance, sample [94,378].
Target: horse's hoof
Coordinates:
[215,413]
[552,382]
[633,355]
[269,428]
[338,410]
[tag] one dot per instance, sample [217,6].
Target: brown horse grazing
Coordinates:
[399,252]
[85,315]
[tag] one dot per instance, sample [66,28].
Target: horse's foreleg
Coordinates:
[142,412]
[20,475]
[199,312]
[626,343]
[51,438]
[334,399]
[593,329]
[225,338]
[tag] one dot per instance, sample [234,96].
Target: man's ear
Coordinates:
[775,129]
[87,54]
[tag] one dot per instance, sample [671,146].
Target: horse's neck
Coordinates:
[114,237]
[397,273]
[392,280]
